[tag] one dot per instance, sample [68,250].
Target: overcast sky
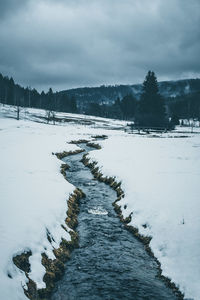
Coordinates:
[72,43]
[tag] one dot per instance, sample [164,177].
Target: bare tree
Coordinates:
[19,101]
[50,116]
[18,110]
[29,96]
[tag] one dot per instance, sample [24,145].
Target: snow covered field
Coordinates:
[161,180]
[160,177]
[33,193]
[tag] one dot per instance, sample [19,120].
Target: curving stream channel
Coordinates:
[110,263]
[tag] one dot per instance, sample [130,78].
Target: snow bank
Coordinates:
[160,177]
[33,193]
[33,199]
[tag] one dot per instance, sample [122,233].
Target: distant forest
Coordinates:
[181,99]
[14,94]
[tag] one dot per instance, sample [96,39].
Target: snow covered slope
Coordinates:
[161,180]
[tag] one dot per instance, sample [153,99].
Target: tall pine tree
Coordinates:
[151,105]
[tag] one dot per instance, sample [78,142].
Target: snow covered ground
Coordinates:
[161,180]
[33,192]
[160,177]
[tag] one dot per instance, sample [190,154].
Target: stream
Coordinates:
[110,263]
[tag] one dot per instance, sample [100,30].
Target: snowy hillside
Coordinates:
[109,94]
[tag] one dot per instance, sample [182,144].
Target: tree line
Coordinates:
[13,94]
[185,107]
[150,110]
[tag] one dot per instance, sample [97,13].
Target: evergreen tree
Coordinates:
[73,105]
[128,106]
[116,111]
[43,102]
[10,91]
[151,105]
[50,96]
[94,109]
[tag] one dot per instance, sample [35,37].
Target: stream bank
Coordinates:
[110,262]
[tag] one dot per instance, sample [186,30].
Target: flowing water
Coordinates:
[110,263]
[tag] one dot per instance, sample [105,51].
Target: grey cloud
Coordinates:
[69,43]
[11,6]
